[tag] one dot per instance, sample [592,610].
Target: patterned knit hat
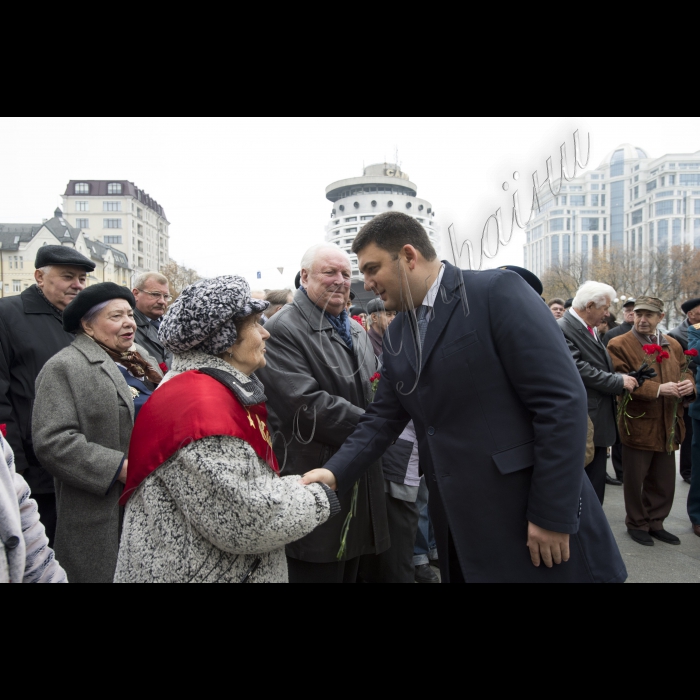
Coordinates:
[204,316]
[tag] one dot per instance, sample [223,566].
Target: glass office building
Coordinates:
[631,202]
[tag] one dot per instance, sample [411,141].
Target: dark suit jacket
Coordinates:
[622,329]
[500,414]
[599,378]
[147,337]
[31,333]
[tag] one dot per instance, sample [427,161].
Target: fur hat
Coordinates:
[204,316]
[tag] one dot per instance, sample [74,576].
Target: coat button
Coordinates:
[12,543]
[431,432]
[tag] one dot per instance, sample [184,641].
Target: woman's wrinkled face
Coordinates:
[249,351]
[114,327]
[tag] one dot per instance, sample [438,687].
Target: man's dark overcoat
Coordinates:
[500,413]
[310,367]
[603,385]
[147,337]
[31,333]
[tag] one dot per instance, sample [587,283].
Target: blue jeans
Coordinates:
[426,547]
[694,497]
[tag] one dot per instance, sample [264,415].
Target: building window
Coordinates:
[82,224]
[595,188]
[636,192]
[663,235]
[112,206]
[697,233]
[16,286]
[590,224]
[114,188]
[350,230]
[651,186]
[562,201]
[595,200]
[113,240]
[350,219]
[677,228]
[637,217]
[690,180]
[697,207]
[617,164]
[82,206]
[671,179]
[664,208]
[82,188]
[556,225]
[140,246]
[112,223]
[578,200]
[369,218]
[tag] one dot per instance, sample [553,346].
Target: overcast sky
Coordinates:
[247,194]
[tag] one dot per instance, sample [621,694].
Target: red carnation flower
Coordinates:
[651,349]
[692,353]
[3,430]
[163,368]
[663,356]
[376,377]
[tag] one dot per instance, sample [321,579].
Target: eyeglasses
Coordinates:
[167,298]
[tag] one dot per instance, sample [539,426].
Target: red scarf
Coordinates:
[188,408]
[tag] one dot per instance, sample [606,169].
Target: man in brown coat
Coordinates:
[652,427]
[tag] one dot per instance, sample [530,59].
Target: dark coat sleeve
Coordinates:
[297,397]
[7,417]
[604,382]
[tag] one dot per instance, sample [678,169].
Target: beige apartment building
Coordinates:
[20,243]
[120,215]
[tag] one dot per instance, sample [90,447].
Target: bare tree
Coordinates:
[179,277]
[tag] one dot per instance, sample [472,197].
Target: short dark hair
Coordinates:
[392,231]
[278,297]
[560,302]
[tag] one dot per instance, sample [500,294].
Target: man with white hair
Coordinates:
[591,305]
[318,382]
[152,293]
[31,333]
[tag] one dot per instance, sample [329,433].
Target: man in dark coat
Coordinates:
[152,294]
[602,384]
[500,414]
[622,329]
[692,311]
[317,380]
[31,333]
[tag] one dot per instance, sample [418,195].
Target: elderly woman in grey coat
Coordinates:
[25,556]
[86,399]
[205,499]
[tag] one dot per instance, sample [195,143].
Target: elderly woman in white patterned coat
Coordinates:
[205,502]
[25,556]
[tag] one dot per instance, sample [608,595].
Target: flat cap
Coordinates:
[204,316]
[650,304]
[50,255]
[90,298]
[376,306]
[532,279]
[690,305]
[632,302]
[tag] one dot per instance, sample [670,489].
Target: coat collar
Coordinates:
[34,304]
[97,356]
[318,322]
[584,334]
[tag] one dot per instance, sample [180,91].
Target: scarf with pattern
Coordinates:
[340,323]
[134,363]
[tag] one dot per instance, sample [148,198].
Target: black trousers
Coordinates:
[687,449]
[47,514]
[597,471]
[617,462]
[336,572]
[396,564]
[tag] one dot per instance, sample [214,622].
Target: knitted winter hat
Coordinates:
[204,316]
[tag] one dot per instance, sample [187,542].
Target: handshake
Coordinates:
[320,476]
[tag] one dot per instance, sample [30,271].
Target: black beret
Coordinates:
[297,281]
[690,305]
[356,311]
[89,299]
[569,304]
[633,302]
[376,306]
[60,255]
[532,279]
[353,296]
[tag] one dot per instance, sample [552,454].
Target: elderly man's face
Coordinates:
[646,322]
[382,320]
[629,315]
[152,301]
[61,284]
[328,282]
[694,316]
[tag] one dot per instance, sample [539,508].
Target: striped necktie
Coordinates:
[422,317]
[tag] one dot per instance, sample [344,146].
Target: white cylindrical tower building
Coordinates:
[382,188]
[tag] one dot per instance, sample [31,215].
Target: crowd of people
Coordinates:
[235,436]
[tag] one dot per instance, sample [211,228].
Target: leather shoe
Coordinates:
[665,537]
[612,482]
[641,537]
[425,574]
[696,530]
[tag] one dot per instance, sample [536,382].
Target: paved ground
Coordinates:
[662,563]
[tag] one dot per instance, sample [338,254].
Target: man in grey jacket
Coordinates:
[317,380]
[579,324]
[152,294]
